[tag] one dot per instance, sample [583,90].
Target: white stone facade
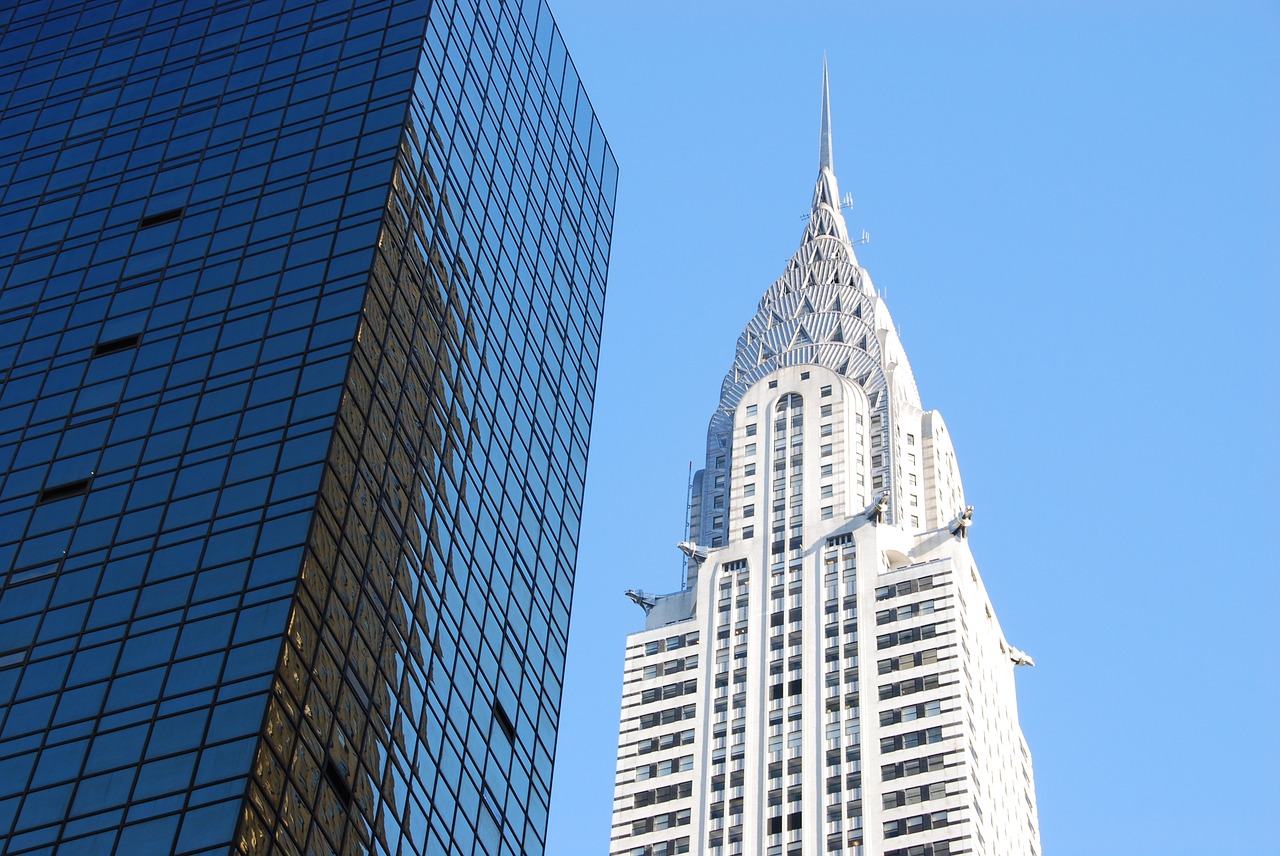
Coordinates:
[833,680]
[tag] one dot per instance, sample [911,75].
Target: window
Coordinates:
[750,470]
[751,430]
[912,796]
[911,739]
[911,713]
[664,768]
[666,717]
[905,587]
[826,471]
[911,439]
[748,511]
[749,449]
[749,489]
[63,491]
[826,450]
[751,410]
[826,430]
[942,848]
[909,687]
[115,346]
[828,512]
[337,781]
[160,217]
[666,741]
[674,690]
[918,823]
[910,610]
[826,391]
[504,722]
[664,794]
[826,410]
[903,637]
[748,532]
[827,490]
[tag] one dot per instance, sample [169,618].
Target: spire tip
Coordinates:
[824,148]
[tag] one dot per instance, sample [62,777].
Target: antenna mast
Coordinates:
[688,519]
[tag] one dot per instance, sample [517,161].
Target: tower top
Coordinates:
[825,217]
[824,143]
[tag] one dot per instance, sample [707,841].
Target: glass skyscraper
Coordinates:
[298,336]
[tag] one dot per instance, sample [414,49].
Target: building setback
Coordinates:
[832,679]
[298,339]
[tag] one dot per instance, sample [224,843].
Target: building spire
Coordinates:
[824,146]
[825,217]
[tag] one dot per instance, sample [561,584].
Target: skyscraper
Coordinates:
[299,327]
[832,678]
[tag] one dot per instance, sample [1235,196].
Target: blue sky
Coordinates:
[1074,212]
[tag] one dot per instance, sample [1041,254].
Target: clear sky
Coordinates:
[1074,210]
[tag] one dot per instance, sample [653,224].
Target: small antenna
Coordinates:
[688,520]
[846,204]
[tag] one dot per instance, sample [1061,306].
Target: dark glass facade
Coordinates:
[298,334]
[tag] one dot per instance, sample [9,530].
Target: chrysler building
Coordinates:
[832,678]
